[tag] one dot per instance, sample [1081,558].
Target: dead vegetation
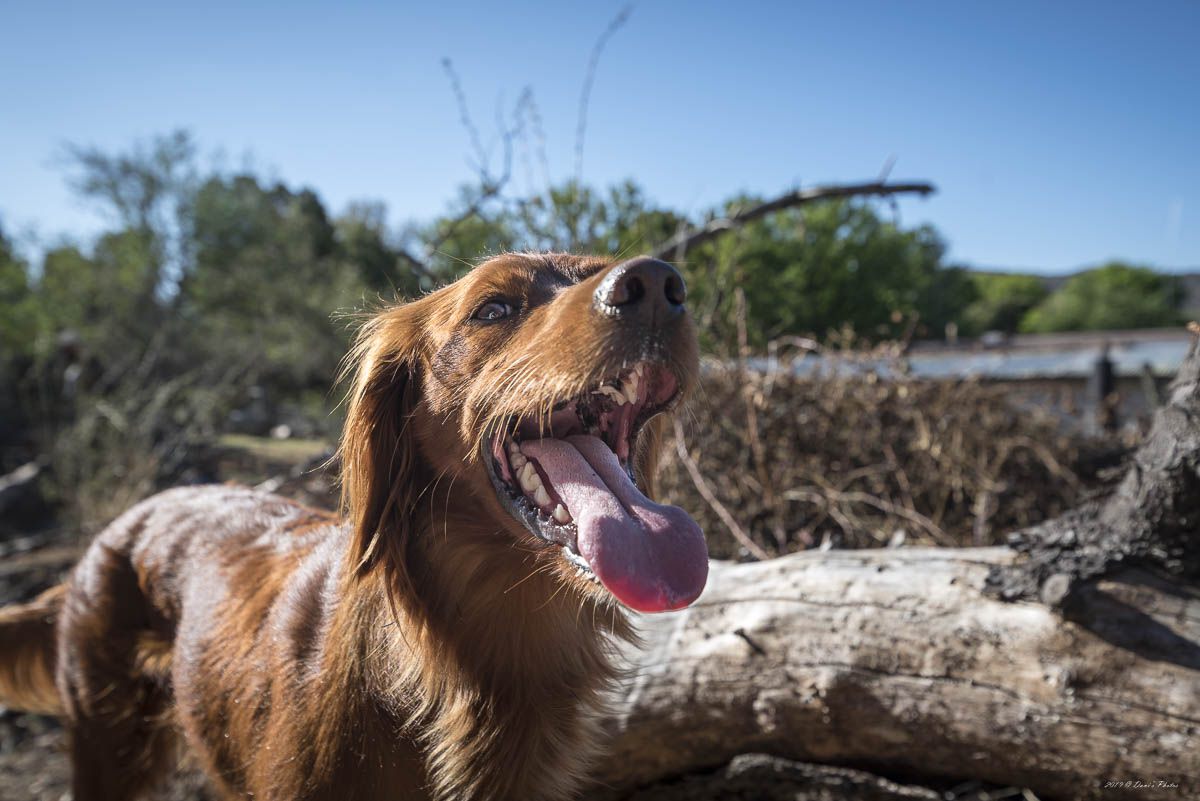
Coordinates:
[797,455]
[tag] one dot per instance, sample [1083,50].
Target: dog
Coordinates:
[453,637]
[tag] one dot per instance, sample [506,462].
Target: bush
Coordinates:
[845,458]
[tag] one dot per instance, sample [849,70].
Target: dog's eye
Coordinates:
[494,310]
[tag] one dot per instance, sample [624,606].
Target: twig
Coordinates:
[758,649]
[464,114]
[589,78]
[489,186]
[684,242]
[756,445]
[831,496]
[706,492]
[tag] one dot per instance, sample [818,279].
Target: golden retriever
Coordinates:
[453,638]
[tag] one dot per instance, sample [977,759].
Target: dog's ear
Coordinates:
[380,463]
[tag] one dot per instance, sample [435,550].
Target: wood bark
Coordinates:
[1068,663]
[898,662]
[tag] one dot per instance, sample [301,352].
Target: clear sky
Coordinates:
[1059,134]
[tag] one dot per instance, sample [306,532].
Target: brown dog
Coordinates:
[453,638]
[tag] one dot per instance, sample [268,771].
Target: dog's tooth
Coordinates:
[631,388]
[611,392]
[513,447]
[518,460]
[529,478]
[541,496]
[561,514]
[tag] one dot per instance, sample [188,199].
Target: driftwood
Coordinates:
[1068,663]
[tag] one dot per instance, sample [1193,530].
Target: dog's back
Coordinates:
[206,611]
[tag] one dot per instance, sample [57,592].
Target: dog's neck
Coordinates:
[500,678]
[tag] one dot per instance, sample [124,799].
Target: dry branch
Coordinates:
[706,492]
[683,242]
[1151,519]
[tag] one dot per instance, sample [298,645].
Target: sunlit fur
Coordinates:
[430,647]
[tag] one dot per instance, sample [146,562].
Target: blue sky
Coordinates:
[1059,134]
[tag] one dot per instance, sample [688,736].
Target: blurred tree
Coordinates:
[18,312]
[147,190]
[1117,295]
[573,217]
[476,227]
[1002,300]
[268,273]
[365,243]
[564,218]
[816,269]
[944,300]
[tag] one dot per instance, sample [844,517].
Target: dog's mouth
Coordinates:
[570,481]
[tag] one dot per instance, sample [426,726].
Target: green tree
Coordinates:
[267,276]
[18,312]
[1117,295]
[945,299]
[818,269]
[1002,300]
[365,242]
[146,190]
[568,217]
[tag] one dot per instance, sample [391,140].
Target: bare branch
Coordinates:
[490,186]
[589,78]
[679,245]
[702,487]
[464,113]
[416,264]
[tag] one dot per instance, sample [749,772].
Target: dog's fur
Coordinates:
[429,647]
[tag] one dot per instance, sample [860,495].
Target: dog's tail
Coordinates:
[27,653]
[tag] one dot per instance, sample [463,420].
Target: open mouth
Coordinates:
[570,481]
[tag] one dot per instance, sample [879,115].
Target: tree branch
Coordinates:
[674,248]
[585,93]
[702,487]
[1149,520]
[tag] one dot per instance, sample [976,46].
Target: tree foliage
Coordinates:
[1117,295]
[204,267]
[1001,301]
[17,312]
[817,269]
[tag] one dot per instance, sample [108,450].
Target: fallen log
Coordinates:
[898,662]
[1068,663]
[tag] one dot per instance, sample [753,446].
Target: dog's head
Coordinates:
[535,387]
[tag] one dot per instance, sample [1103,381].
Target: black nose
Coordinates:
[642,286]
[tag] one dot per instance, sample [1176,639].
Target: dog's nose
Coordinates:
[644,287]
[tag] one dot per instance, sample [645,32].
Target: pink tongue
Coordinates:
[650,556]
